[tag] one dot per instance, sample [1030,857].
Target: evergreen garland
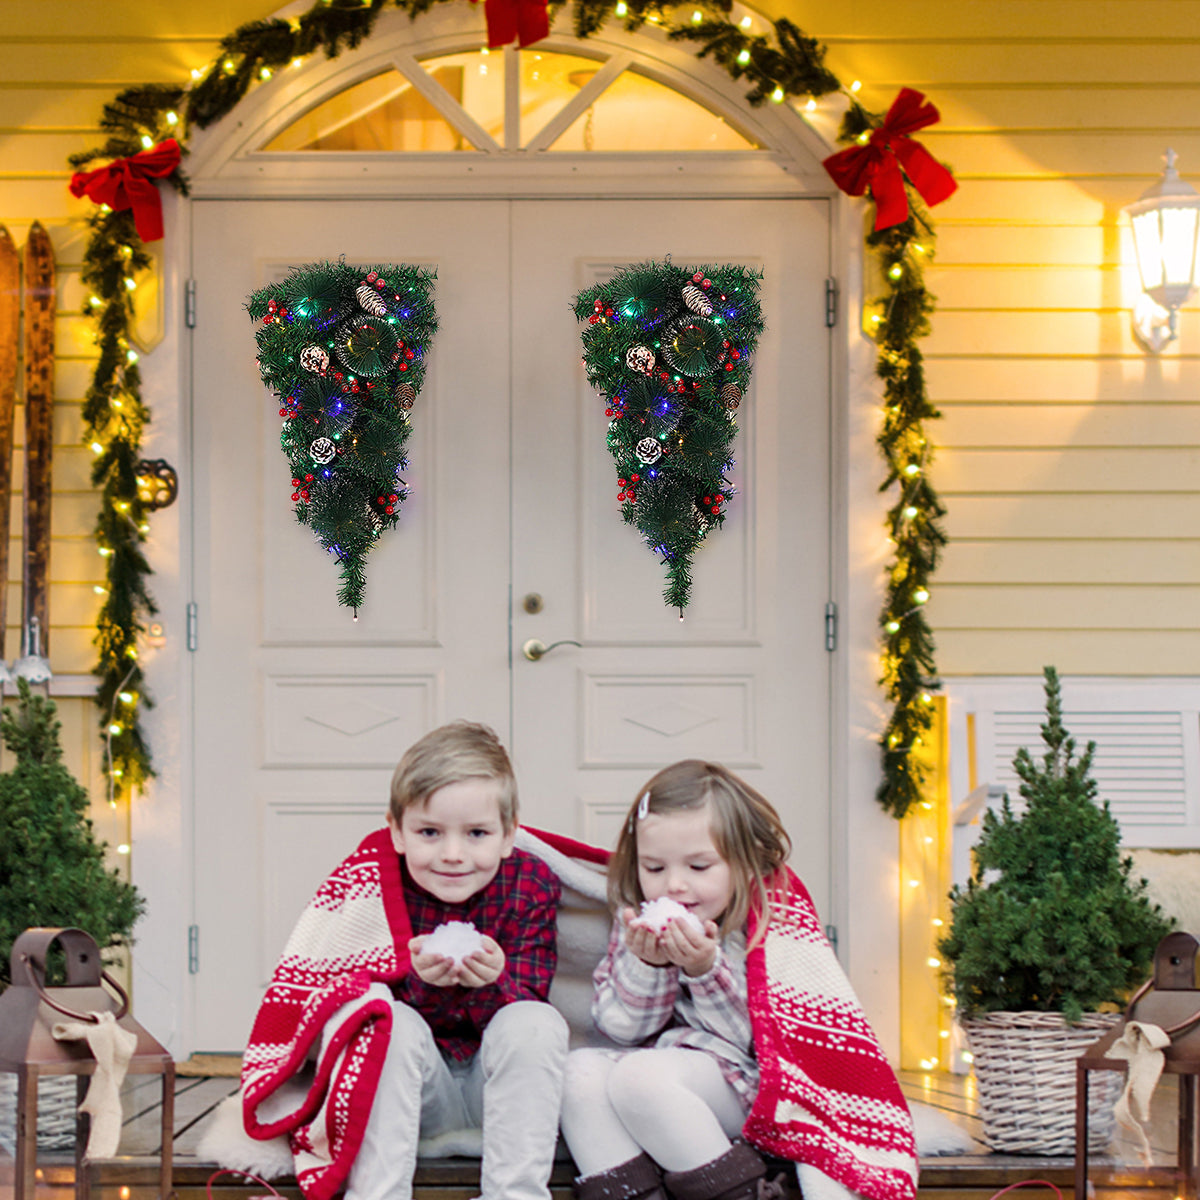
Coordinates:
[1051,919]
[51,866]
[344,349]
[789,65]
[899,319]
[670,350]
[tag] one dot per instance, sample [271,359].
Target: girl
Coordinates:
[704,838]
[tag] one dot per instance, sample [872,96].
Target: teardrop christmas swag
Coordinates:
[670,349]
[344,349]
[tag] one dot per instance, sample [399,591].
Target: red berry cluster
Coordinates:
[728,353]
[616,410]
[626,486]
[387,503]
[276,312]
[301,492]
[382,284]
[713,503]
[706,284]
[404,354]
[601,312]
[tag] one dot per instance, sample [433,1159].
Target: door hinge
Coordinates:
[831,622]
[189,304]
[831,302]
[193,625]
[193,949]
[831,936]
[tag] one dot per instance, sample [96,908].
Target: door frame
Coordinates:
[864,915]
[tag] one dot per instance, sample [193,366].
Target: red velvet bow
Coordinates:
[876,164]
[525,20]
[126,183]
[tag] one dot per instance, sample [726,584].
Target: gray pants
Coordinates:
[511,1090]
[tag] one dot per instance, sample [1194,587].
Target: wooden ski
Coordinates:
[10,324]
[40,304]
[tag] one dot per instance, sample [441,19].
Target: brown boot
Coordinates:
[637,1179]
[739,1174]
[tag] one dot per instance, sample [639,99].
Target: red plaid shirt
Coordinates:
[518,909]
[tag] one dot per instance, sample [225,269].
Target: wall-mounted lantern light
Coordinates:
[1166,221]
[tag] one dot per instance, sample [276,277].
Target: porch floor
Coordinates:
[133,1174]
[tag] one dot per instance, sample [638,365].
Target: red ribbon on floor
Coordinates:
[128,183]
[525,20]
[877,163]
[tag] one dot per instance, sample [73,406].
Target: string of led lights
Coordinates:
[780,65]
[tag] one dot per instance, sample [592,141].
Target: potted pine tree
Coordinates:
[52,872]
[1047,939]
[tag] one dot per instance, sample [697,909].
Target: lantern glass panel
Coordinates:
[1179,245]
[1148,246]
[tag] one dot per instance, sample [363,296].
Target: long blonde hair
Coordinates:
[746,831]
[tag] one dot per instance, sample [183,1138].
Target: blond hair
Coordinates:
[451,754]
[746,832]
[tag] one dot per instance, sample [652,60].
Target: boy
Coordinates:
[387,1041]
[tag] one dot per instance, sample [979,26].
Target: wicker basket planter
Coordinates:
[1025,1069]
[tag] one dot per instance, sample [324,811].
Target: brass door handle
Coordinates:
[535,648]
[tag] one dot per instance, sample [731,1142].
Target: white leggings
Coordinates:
[674,1104]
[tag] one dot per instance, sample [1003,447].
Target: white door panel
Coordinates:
[301,712]
[743,677]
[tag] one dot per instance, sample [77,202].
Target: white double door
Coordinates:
[511,532]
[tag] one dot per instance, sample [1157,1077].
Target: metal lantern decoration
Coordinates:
[31,1046]
[1164,1018]
[157,483]
[1166,221]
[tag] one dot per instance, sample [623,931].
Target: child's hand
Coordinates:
[434,969]
[642,941]
[690,950]
[483,966]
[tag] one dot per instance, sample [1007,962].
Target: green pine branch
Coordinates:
[669,350]
[344,350]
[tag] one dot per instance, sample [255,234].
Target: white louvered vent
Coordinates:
[1147,735]
[1138,765]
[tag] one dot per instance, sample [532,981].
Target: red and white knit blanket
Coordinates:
[828,1100]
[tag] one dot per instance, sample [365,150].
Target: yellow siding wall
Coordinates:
[1069,459]
[60,61]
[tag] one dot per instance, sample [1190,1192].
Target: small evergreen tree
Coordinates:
[51,866]
[1050,920]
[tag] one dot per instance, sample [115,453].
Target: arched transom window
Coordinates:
[476,101]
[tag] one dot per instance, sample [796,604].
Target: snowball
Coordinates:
[657,914]
[454,939]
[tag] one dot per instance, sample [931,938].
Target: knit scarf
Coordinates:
[827,1098]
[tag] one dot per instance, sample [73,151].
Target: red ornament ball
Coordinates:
[389,510]
[699,275]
